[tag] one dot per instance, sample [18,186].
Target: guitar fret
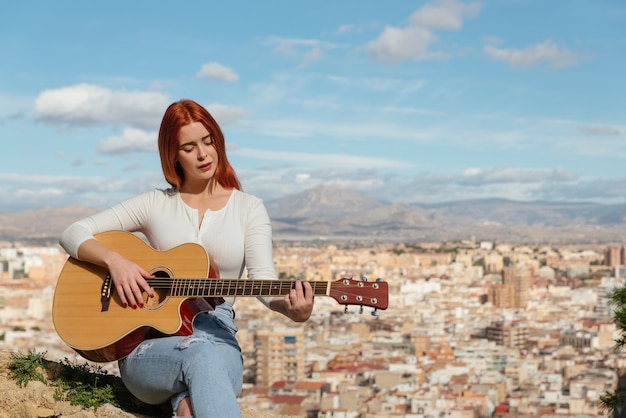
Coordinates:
[174,291]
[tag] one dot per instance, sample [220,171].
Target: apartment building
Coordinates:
[279,356]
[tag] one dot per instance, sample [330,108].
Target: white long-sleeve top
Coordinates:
[236,237]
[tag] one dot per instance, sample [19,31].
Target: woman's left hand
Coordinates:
[297,304]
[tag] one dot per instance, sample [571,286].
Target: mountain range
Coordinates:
[341,213]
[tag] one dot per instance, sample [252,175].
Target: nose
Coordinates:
[202,153]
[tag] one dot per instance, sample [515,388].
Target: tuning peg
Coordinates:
[379,279]
[345,309]
[375,313]
[363,278]
[361,309]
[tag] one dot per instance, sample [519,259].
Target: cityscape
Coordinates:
[473,329]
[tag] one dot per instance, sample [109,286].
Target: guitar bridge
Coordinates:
[105,293]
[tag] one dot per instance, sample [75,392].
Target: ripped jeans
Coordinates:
[207,366]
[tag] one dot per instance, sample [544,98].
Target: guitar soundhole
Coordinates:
[160,292]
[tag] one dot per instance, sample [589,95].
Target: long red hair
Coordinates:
[182,113]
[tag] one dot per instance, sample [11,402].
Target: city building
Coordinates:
[279,356]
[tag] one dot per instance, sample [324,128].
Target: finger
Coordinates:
[145,286]
[287,299]
[127,294]
[308,291]
[137,295]
[146,275]
[120,292]
[298,290]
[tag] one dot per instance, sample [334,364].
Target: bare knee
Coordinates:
[184,408]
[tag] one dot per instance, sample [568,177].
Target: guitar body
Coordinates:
[111,334]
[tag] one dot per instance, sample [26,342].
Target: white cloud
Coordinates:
[512,175]
[546,51]
[131,140]
[87,104]
[605,190]
[400,44]
[444,14]
[214,71]
[290,46]
[29,191]
[309,50]
[514,183]
[413,42]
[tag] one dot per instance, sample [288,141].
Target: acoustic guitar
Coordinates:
[89,317]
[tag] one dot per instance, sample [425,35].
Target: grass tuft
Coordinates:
[79,383]
[27,367]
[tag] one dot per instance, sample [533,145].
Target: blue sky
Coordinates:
[410,101]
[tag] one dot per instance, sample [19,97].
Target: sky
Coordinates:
[405,101]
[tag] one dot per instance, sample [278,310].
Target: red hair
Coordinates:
[182,113]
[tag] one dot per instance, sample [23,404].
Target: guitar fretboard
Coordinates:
[233,287]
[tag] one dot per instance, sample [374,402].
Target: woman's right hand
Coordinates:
[130,281]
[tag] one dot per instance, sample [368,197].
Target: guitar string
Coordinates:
[247,283]
[178,285]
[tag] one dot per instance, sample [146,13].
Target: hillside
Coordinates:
[339,212]
[335,212]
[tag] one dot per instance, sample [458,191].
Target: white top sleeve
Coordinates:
[237,236]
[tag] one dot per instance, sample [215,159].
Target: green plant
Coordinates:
[80,384]
[26,367]
[615,402]
[89,396]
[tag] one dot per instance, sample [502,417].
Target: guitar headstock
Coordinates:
[348,291]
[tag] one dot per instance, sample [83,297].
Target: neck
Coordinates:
[209,188]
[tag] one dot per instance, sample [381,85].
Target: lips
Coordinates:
[205,167]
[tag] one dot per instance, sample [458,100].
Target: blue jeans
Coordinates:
[207,366]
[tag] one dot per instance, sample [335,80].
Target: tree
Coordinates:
[615,402]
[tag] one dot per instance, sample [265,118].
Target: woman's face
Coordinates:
[196,154]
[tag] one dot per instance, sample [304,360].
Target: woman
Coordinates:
[201,374]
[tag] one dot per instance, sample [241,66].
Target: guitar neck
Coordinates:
[234,287]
